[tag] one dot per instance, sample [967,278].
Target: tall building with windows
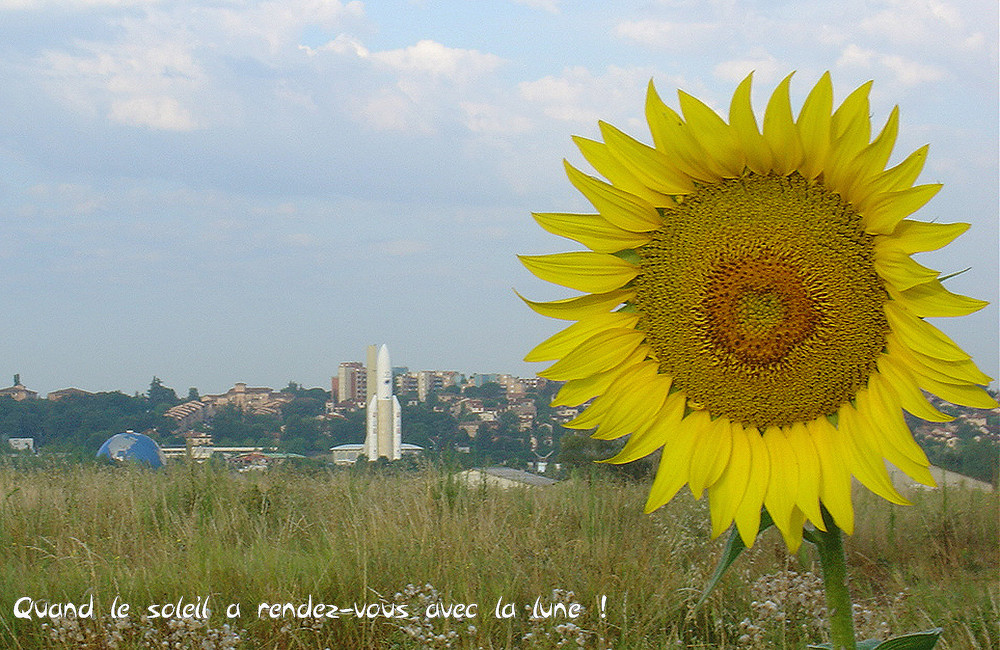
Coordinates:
[352,382]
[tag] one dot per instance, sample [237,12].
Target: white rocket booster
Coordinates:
[383,436]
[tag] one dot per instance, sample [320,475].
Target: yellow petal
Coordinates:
[900,270]
[900,177]
[793,538]
[873,158]
[592,230]
[918,236]
[890,208]
[807,496]
[711,454]
[581,306]
[650,166]
[905,385]
[726,493]
[561,343]
[672,137]
[713,134]
[918,334]
[605,403]
[814,127]
[853,114]
[932,299]
[583,271]
[868,466]
[952,391]
[850,129]
[952,372]
[675,462]
[748,512]
[647,440]
[644,392]
[577,391]
[744,124]
[608,166]
[896,442]
[627,211]
[784,483]
[835,462]
[600,352]
[780,133]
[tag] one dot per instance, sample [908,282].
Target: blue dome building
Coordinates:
[132,446]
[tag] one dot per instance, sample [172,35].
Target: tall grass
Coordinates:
[349,537]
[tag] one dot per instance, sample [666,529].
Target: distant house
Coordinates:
[348,454]
[18,392]
[190,413]
[504,477]
[259,401]
[63,393]
[22,444]
[470,427]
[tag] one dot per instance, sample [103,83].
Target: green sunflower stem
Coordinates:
[838,600]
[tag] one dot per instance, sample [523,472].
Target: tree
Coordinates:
[160,394]
[304,407]
[303,436]
[349,429]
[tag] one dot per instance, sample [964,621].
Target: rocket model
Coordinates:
[383,420]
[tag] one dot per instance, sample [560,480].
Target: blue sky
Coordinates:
[213,192]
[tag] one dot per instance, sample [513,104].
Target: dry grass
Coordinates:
[348,537]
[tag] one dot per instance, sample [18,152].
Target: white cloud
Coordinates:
[434,59]
[163,113]
[64,5]
[163,69]
[493,119]
[131,84]
[854,55]
[765,67]
[579,95]
[343,44]
[921,22]
[909,72]
[551,6]
[279,23]
[415,88]
[905,71]
[403,247]
[301,240]
[663,34]
[391,110]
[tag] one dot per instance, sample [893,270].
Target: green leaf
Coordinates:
[870,644]
[916,641]
[951,275]
[629,255]
[734,546]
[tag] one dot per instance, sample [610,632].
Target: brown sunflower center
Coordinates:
[760,297]
[758,308]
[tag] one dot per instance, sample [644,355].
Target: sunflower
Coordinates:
[750,305]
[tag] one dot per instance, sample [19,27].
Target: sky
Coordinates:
[222,191]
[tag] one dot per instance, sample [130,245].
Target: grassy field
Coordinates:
[387,547]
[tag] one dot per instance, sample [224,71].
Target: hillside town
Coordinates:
[500,418]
